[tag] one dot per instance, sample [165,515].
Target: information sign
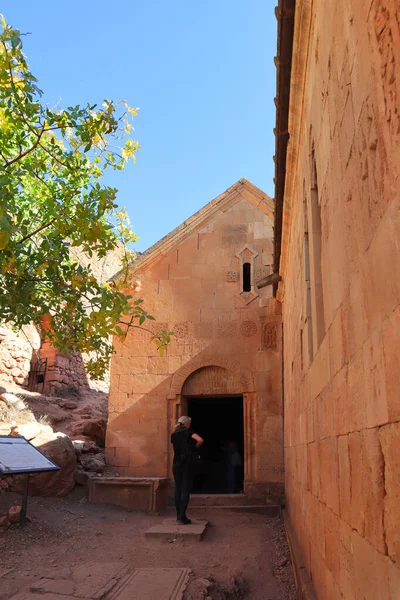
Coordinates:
[17,455]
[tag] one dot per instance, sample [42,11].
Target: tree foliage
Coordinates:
[52,203]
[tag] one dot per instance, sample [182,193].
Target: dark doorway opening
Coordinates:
[220,423]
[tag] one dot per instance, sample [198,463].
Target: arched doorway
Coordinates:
[213,396]
[212,375]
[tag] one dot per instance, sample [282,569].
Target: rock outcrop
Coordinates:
[16,353]
[58,448]
[94,429]
[38,418]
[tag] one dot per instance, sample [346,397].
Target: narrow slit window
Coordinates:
[246,277]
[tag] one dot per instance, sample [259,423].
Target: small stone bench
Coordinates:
[147,494]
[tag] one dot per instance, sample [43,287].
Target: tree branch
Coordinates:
[28,151]
[29,235]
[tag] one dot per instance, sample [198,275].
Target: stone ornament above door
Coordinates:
[212,380]
[242,376]
[247,255]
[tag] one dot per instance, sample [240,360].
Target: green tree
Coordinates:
[52,202]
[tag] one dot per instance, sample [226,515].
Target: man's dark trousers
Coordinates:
[183,486]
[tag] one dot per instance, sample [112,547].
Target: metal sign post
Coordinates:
[18,456]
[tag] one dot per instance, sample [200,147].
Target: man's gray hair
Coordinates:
[184,420]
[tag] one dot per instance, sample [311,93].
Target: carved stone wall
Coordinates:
[209,381]
[342,409]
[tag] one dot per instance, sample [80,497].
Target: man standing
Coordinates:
[185,443]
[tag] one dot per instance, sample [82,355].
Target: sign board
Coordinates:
[17,455]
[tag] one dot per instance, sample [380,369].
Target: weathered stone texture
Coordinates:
[224,343]
[16,350]
[342,402]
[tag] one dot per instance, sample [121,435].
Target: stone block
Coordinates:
[121,457]
[109,455]
[332,544]
[389,437]
[313,468]
[357,415]
[125,384]
[143,384]
[180,271]
[375,381]
[138,365]
[367,486]
[391,336]
[328,474]
[337,343]
[204,271]
[149,583]
[319,372]
[370,571]
[170,529]
[393,578]
[139,493]
[346,560]
[382,266]
[174,363]
[318,571]
[118,401]
[157,365]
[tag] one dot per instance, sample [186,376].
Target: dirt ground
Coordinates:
[68,532]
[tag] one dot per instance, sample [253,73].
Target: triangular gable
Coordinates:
[242,189]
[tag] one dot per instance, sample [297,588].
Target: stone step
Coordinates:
[221,500]
[270,510]
[169,529]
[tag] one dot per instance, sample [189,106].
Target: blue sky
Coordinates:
[202,74]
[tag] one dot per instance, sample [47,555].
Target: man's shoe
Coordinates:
[184,521]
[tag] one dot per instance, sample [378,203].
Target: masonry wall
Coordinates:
[16,350]
[342,402]
[193,290]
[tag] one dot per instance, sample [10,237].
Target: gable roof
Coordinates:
[242,189]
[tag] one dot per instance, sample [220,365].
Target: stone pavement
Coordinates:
[109,581]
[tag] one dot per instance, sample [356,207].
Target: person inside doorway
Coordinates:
[186,444]
[234,464]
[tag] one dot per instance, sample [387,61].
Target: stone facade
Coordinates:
[340,264]
[227,340]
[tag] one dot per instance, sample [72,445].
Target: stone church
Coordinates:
[223,365]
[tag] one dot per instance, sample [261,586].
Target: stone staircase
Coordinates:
[231,502]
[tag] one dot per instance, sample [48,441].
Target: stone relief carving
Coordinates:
[269,335]
[155,326]
[232,276]
[206,360]
[226,329]
[248,328]
[262,272]
[211,380]
[180,330]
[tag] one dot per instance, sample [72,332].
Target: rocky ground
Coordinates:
[241,556]
[69,429]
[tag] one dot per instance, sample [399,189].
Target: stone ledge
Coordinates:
[147,494]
